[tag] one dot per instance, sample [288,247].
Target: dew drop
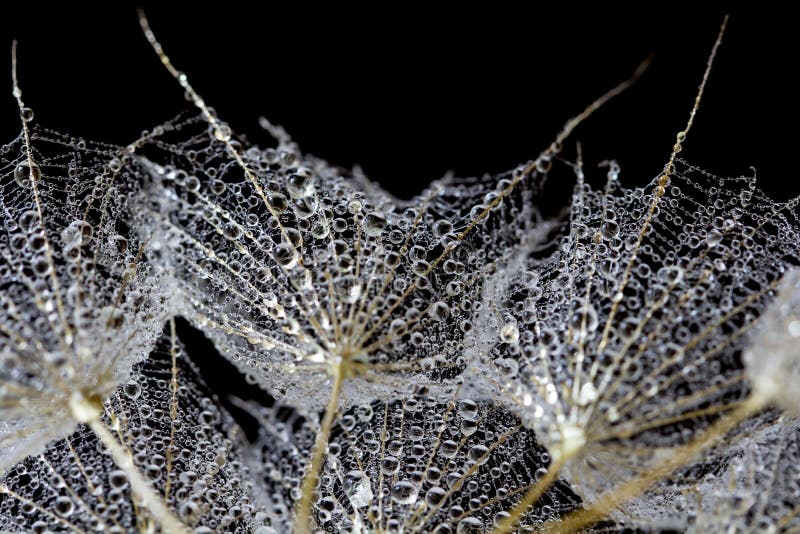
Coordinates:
[299,185]
[132,390]
[374,224]
[442,228]
[404,492]
[714,238]
[285,255]
[435,496]
[26,114]
[609,230]
[25,171]
[64,506]
[468,409]
[470,525]
[117,480]
[390,465]
[509,333]
[358,488]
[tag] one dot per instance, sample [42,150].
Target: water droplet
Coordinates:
[390,465]
[584,320]
[26,114]
[714,238]
[470,525]
[468,409]
[448,448]
[132,390]
[231,231]
[439,311]
[670,274]
[404,492]
[354,206]
[509,333]
[478,453]
[508,367]
[117,479]
[278,202]
[374,224]
[358,488]
[442,228]
[609,230]
[348,288]
[192,184]
[435,496]
[25,171]
[299,185]
[223,133]
[285,255]
[64,506]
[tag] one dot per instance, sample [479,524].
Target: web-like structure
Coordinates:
[761,483]
[78,305]
[184,444]
[428,464]
[295,267]
[455,363]
[772,358]
[629,337]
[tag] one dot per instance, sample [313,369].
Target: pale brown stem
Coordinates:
[532,496]
[312,474]
[681,456]
[150,499]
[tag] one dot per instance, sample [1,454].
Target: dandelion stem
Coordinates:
[681,456]
[150,499]
[311,478]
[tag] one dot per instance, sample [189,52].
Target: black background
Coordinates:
[410,94]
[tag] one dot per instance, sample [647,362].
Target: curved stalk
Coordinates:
[311,477]
[151,500]
[581,519]
[561,455]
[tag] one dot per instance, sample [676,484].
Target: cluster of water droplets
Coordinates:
[473,377]
[627,341]
[758,490]
[773,361]
[278,459]
[431,463]
[180,440]
[78,305]
[295,267]
[315,267]
[623,343]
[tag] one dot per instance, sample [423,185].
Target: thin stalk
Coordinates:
[311,477]
[150,499]
[533,495]
[581,519]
